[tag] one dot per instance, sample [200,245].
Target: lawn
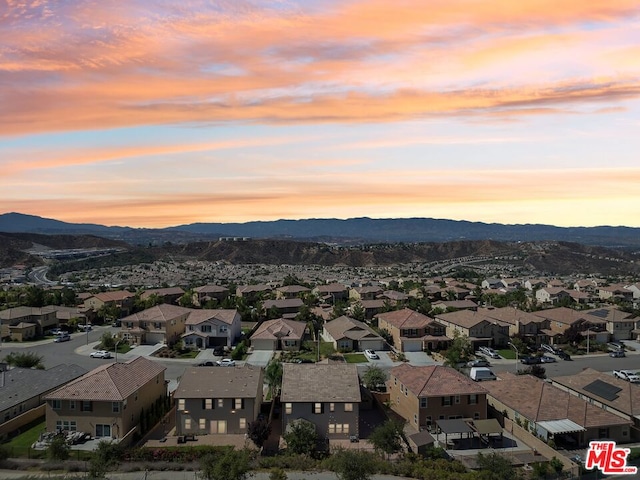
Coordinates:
[20,446]
[507,353]
[355,358]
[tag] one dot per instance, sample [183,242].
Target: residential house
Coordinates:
[162,323]
[422,395]
[80,315]
[168,295]
[449,305]
[285,307]
[327,395]
[393,296]
[618,323]
[562,319]
[121,299]
[208,328]
[480,327]
[23,390]
[331,291]
[218,400]
[210,292]
[588,285]
[108,401]
[364,293]
[635,289]
[608,393]
[454,293]
[373,307]
[534,283]
[615,292]
[552,295]
[554,414]
[253,293]
[279,334]
[29,322]
[556,283]
[291,291]
[412,331]
[492,283]
[524,324]
[348,334]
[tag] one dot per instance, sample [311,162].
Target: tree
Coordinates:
[24,360]
[358,312]
[259,430]
[186,300]
[387,437]
[277,474]
[232,465]
[495,467]
[301,437]
[352,465]
[35,297]
[107,341]
[273,376]
[460,350]
[105,458]
[373,377]
[58,448]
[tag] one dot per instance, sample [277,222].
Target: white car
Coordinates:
[226,362]
[489,352]
[371,354]
[628,375]
[101,354]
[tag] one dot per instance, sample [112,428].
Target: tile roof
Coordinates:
[539,401]
[320,383]
[110,382]
[224,315]
[292,289]
[211,289]
[510,315]
[405,318]
[435,381]
[283,303]
[159,313]
[332,287]
[565,315]
[162,291]
[19,312]
[229,382]
[465,318]
[114,296]
[280,328]
[347,327]
[18,385]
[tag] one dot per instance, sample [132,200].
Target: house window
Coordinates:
[56,404]
[288,408]
[115,407]
[205,328]
[317,408]
[332,428]
[72,404]
[238,404]
[243,423]
[220,402]
[348,407]
[157,325]
[446,401]
[68,425]
[423,402]
[187,423]
[332,407]
[202,423]
[223,329]
[473,399]
[476,416]
[345,428]
[457,399]
[181,404]
[208,403]
[103,430]
[86,406]
[415,418]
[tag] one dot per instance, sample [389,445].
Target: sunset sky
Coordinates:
[158,113]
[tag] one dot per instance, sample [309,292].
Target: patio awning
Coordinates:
[487,427]
[561,426]
[454,426]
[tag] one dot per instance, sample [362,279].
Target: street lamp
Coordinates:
[588,336]
[116,349]
[516,350]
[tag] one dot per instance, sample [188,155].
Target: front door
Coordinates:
[103,431]
[218,426]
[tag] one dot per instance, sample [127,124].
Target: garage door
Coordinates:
[371,345]
[153,338]
[412,345]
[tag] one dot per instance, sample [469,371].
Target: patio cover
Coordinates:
[487,427]
[456,425]
[556,427]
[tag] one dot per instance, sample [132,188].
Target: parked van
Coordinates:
[480,374]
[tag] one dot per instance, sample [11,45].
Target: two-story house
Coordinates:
[291,291]
[348,334]
[28,322]
[279,334]
[364,293]
[212,328]
[218,400]
[121,299]
[167,295]
[562,319]
[482,330]
[619,324]
[286,307]
[411,331]
[163,323]
[107,402]
[206,293]
[524,324]
[422,395]
[327,395]
[331,292]
[251,293]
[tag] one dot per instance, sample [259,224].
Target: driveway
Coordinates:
[260,358]
[419,359]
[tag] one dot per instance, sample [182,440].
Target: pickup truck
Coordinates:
[628,375]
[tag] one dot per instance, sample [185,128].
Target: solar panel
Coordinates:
[599,313]
[603,389]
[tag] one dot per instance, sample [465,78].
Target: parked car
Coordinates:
[481,374]
[55,332]
[489,352]
[479,362]
[547,359]
[530,360]
[371,355]
[218,351]
[628,375]
[208,363]
[63,337]
[85,328]
[549,349]
[563,355]
[100,354]
[615,346]
[226,362]
[617,354]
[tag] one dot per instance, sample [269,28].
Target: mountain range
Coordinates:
[332,230]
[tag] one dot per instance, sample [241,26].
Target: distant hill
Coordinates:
[344,232]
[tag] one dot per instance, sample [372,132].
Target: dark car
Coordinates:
[530,360]
[218,351]
[478,363]
[302,360]
[617,354]
[208,363]
[563,355]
